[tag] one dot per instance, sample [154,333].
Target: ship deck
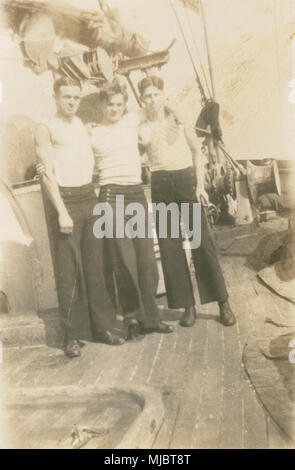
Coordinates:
[207,392]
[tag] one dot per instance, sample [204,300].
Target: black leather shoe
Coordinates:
[227,317]
[72,349]
[189,317]
[108,337]
[162,328]
[134,332]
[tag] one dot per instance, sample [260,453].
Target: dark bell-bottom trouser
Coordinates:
[133,260]
[179,187]
[84,302]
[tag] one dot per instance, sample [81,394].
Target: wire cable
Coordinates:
[208,48]
[201,88]
[198,52]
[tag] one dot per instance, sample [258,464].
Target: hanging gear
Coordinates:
[98,62]
[38,36]
[209,117]
[39,23]
[229,180]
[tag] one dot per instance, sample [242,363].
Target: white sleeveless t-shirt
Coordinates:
[166,145]
[115,146]
[73,157]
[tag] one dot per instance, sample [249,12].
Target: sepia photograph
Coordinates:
[147,232]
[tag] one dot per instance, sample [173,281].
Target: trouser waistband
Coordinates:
[172,173]
[78,193]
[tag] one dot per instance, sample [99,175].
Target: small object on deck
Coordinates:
[81,434]
[4,304]
[263,179]
[280,274]
[289,323]
[264,216]
[280,277]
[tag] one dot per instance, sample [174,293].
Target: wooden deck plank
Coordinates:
[165,360]
[143,367]
[255,426]
[172,404]
[276,439]
[206,434]
[28,425]
[72,370]
[191,395]
[185,338]
[231,433]
[22,359]
[107,420]
[133,356]
[105,362]
[51,430]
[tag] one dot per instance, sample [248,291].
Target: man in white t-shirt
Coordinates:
[63,147]
[118,167]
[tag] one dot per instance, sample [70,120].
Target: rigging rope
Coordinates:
[201,88]
[198,52]
[291,65]
[207,47]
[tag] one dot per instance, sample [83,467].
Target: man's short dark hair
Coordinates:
[65,81]
[146,82]
[111,89]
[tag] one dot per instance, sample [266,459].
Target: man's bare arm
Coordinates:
[44,156]
[198,161]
